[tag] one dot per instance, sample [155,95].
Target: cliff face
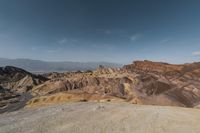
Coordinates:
[162,68]
[157,67]
[181,82]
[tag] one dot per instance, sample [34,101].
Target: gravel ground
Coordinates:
[93,117]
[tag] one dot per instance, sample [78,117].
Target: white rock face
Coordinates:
[101,118]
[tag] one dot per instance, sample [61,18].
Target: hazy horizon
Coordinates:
[60,61]
[94,31]
[54,60]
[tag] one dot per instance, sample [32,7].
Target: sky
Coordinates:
[118,31]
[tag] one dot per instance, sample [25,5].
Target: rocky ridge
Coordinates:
[142,82]
[15,85]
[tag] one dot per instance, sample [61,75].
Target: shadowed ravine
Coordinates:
[23,98]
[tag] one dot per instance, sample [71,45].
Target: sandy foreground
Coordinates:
[90,117]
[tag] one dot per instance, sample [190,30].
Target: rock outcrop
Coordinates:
[15,85]
[166,84]
[143,82]
[154,67]
[18,79]
[7,97]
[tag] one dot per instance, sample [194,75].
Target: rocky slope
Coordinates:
[143,82]
[18,79]
[180,82]
[7,96]
[15,84]
[95,117]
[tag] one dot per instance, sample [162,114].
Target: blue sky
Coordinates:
[101,30]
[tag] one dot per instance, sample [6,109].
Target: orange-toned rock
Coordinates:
[64,97]
[149,66]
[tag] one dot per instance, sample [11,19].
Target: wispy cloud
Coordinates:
[34,48]
[67,41]
[62,41]
[135,37]
[75,40]
[108,32]
[105,31]
[54,50]
[164,41]
[196,53]
[103,46]
[51,51]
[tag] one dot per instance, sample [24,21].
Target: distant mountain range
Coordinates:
[39,66]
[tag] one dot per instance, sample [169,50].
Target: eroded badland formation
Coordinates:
[142,82]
